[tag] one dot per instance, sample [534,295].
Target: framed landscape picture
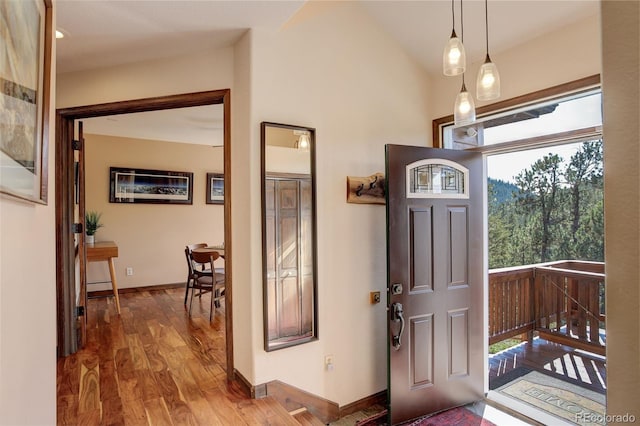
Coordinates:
[215,188]
[150,186]
[25,70]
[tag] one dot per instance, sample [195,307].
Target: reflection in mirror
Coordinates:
[288,235]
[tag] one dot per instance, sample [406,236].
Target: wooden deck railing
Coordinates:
[563,301]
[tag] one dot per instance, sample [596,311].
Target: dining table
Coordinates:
[211,249]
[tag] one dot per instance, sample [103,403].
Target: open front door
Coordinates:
[435,280]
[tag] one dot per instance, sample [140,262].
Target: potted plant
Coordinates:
[92,223]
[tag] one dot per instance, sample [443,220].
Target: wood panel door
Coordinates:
[435,280]
[289,257]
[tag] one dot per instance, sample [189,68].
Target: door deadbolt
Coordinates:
[396,289]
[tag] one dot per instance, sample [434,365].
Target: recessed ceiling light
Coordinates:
[59,34]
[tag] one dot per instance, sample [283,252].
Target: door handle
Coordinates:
[397,315]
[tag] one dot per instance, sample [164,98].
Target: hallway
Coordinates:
[155,366]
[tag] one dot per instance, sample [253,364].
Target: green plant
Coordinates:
[92,222]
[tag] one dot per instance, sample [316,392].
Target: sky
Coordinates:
[506,166]
[576,113]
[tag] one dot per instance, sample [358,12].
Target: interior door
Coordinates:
[289,257]
[79,217]
[435,280]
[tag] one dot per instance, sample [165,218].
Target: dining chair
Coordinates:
[192,267]
[211,280]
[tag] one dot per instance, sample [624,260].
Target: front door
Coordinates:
[435,280]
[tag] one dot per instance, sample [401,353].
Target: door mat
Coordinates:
[455,417]
[559,398]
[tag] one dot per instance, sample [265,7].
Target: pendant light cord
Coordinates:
[464,89]
[461,22]
[486,24]
[453,16]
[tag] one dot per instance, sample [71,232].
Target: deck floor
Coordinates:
[571,365]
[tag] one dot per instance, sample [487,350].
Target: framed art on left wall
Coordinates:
[24,98]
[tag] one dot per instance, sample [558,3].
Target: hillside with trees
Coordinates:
[554,211]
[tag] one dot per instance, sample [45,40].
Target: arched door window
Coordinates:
[437,178]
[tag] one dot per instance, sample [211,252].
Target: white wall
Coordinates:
[245,209]
[208,70]
[28,304]
[333,69]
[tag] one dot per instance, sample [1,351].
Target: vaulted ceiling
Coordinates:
[100,33]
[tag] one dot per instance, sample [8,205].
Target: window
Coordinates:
[434,178]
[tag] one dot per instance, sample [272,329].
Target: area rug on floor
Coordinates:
[555,396]
[455,417]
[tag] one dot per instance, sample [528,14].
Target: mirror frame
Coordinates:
[314,245]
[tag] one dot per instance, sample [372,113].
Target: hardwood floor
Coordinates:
[154,365]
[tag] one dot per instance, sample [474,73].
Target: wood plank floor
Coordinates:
[153,365]
[563,362]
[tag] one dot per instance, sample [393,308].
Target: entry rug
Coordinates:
[554,396]
[455,417]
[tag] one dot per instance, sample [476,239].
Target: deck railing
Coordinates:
[563,301]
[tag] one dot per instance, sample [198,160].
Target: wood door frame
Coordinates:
[65,247]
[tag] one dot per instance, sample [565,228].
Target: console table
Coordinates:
[105,251]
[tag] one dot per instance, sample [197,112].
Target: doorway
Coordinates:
[71,316]
[546,312]
[571,288]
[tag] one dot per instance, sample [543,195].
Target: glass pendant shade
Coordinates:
[454,59]
[464,110]
[488,81]
[303,142]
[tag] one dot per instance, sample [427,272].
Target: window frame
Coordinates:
[574,87]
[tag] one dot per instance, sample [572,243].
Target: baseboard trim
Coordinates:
[107,293]
[292,398]
[247,388]
[379,398]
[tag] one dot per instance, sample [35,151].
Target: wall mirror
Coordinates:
[288,235]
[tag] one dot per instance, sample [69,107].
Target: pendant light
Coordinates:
[454,59]
[303,142]
[464,110]
[488,81]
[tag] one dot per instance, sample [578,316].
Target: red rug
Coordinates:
[455,417]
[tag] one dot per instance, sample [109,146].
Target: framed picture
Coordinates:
[150,186]
[215,188]
[24,98]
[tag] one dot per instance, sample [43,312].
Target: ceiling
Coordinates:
[100,33]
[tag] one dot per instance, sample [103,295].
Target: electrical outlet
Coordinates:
[129,271]
[374,297]
[328,362]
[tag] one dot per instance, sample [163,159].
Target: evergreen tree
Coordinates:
[539,187]
[552,213]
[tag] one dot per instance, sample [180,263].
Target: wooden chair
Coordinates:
[191,267]
[211,280]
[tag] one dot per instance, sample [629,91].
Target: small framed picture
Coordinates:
[215,188]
